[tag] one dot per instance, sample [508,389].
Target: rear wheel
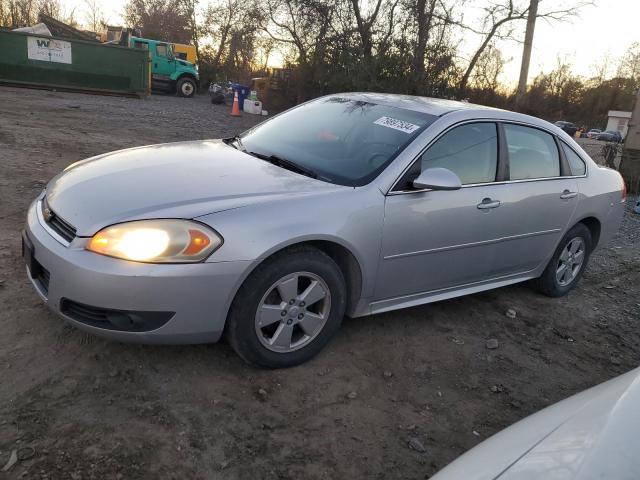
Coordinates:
[186,87]
[567,264]
[288,309]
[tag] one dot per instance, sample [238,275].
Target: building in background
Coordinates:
[619,122]
[630,166]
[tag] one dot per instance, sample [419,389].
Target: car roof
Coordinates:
[431,106]
[439,107]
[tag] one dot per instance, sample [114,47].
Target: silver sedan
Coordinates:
[349,204]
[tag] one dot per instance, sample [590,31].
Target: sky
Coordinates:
[606,29]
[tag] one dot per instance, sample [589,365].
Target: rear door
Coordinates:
[538,203]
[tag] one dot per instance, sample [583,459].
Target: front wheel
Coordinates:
[567,264]
[288,309]
[186,87]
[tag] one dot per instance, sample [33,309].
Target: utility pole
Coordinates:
[526,54]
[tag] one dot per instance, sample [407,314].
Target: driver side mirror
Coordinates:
[437,179]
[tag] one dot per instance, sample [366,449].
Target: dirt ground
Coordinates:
[77,407]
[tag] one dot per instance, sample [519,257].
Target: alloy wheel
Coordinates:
[570,261]
[292,312]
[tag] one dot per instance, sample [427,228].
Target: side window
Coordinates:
[161,50]
[141,45]
[532,153]
[470,151]
[575,162]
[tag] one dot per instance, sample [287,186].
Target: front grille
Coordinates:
[57,224]
[122,320]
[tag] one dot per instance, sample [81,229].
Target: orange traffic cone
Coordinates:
[235,110]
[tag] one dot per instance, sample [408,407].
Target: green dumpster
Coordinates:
[55,62]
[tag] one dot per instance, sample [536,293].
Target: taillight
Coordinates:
[623,199]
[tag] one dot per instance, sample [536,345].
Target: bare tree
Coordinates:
[498,20]
[601,69]
[51,8]
[365,26]
[489,67]
[54,9]
[629,66]
[220,19]
[94,15]
[197,29]
[18,13]
[165,20]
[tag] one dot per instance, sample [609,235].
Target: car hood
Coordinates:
[172,180]
[592,435]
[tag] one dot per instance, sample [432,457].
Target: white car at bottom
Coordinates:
[594,435]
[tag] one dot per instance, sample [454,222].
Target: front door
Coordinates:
[163,62]
[435,240]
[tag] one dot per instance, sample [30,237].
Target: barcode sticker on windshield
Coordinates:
[401,125]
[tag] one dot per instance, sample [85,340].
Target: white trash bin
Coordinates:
[252,106]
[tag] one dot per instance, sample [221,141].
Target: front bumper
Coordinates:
[198,295]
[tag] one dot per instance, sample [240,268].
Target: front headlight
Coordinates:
[157,241]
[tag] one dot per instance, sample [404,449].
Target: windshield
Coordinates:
[340,140]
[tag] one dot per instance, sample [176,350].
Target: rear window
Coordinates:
[575,162]
[532,153]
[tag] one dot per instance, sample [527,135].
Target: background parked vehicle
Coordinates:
[185,52]
[220,92]
[610,136]
[568,127]
[592,435]
[593,133]
[168,72]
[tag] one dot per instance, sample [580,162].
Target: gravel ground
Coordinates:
[75,406]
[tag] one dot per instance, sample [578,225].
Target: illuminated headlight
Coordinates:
[157,241]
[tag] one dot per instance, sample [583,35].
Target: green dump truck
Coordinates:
[168,72]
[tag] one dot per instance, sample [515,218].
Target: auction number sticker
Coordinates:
[396,124]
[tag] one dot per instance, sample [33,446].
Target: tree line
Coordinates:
[401,46]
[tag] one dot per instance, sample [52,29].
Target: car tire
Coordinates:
[563,272]
[269,327]
[186,87]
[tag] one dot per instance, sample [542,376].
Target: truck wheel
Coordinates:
[186,87]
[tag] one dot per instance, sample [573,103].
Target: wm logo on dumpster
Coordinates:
[48,50]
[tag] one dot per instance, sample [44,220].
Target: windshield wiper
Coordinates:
[238,142]
[284,163]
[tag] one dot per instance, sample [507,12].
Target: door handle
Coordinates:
[567,194]
[488,203]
